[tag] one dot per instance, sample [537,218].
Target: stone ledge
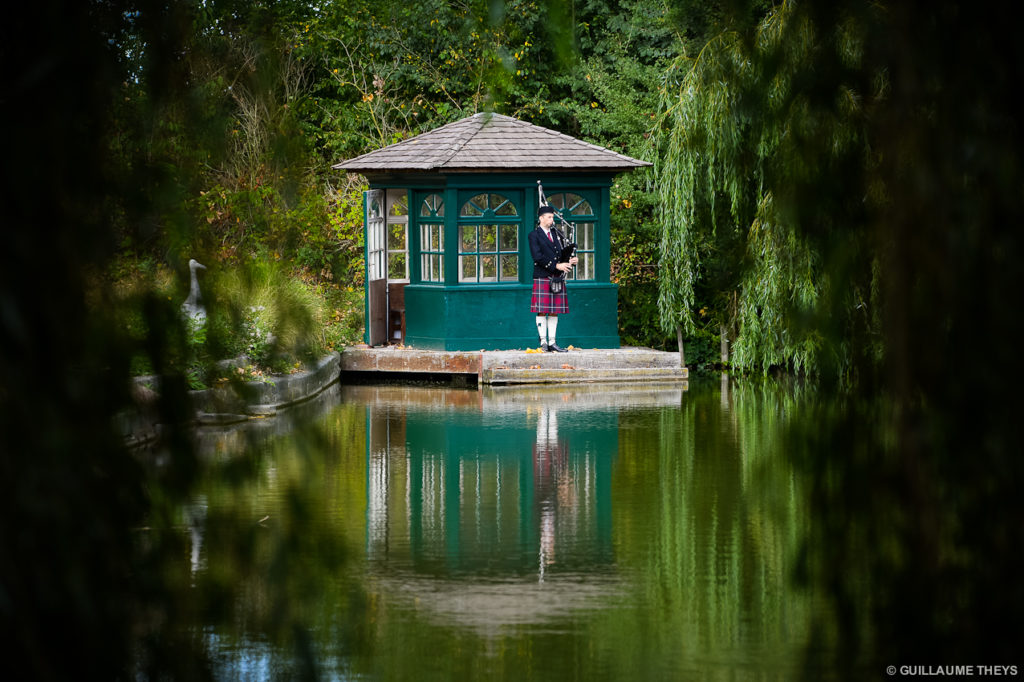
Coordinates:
[391,359]
[571,375]
[232,402]
[521,366]
[264,398]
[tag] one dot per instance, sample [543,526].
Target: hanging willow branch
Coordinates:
[699,137]
[733,131]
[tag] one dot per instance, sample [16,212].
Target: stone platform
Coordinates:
[518,366]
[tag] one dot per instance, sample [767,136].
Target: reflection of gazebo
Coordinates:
[486,486]
[448,265]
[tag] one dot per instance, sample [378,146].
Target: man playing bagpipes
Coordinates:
[553,258]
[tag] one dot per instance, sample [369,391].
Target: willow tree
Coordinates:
[732,161]
[867,154]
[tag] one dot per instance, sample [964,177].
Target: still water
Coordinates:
[584,533]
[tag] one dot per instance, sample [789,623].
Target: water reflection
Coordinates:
[553,483]
[537,533]
[214,440]
[493,507]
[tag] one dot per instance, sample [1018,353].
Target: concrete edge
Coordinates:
[541,375]
[232,403]
[265,398]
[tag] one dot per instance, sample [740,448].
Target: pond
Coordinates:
[603,532]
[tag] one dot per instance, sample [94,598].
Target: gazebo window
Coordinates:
[577,210]
[398,230]
[489,239]
[374,237]
[431,222]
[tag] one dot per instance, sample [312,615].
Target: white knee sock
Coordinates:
[542,328]
[552,326]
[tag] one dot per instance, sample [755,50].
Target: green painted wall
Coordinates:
[498,317]
[542,451]
[472,316]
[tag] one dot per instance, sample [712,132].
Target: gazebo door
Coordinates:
[376,270]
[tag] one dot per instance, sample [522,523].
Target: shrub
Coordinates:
[275,317]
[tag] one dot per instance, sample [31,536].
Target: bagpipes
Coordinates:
[568,251]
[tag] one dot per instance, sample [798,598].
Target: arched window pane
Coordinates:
[399,204]
[579,212]
[431,230]
[481,204]
[475,207]
[432,207]
[503,208]
[569,203]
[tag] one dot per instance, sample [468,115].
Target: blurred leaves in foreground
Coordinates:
[92,568]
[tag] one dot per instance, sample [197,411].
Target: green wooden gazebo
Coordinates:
[448,265]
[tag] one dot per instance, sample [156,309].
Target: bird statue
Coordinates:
[193,306]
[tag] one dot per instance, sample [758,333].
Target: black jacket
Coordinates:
[545,252]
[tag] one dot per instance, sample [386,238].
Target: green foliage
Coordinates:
[274,317]
[731,147]
[391,69]
[85,562]
[638,291]
[612,95]
[871,174]
[781,283]
[703,350]
[277,95]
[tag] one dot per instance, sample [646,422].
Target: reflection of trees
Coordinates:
[268,556]
[917,533]
[726,523]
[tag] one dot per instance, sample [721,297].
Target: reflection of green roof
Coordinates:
[490,142]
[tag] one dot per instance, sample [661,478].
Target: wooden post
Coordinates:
[679,338]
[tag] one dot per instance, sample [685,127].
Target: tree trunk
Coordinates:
[724,337]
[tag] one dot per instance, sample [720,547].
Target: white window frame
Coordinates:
[395,198]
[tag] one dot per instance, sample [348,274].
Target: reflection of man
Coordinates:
[550,460]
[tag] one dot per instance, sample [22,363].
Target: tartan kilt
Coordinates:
[544,302]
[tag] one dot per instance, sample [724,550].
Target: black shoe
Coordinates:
[544,347]
[554,348]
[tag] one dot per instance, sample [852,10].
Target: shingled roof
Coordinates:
[490,142]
